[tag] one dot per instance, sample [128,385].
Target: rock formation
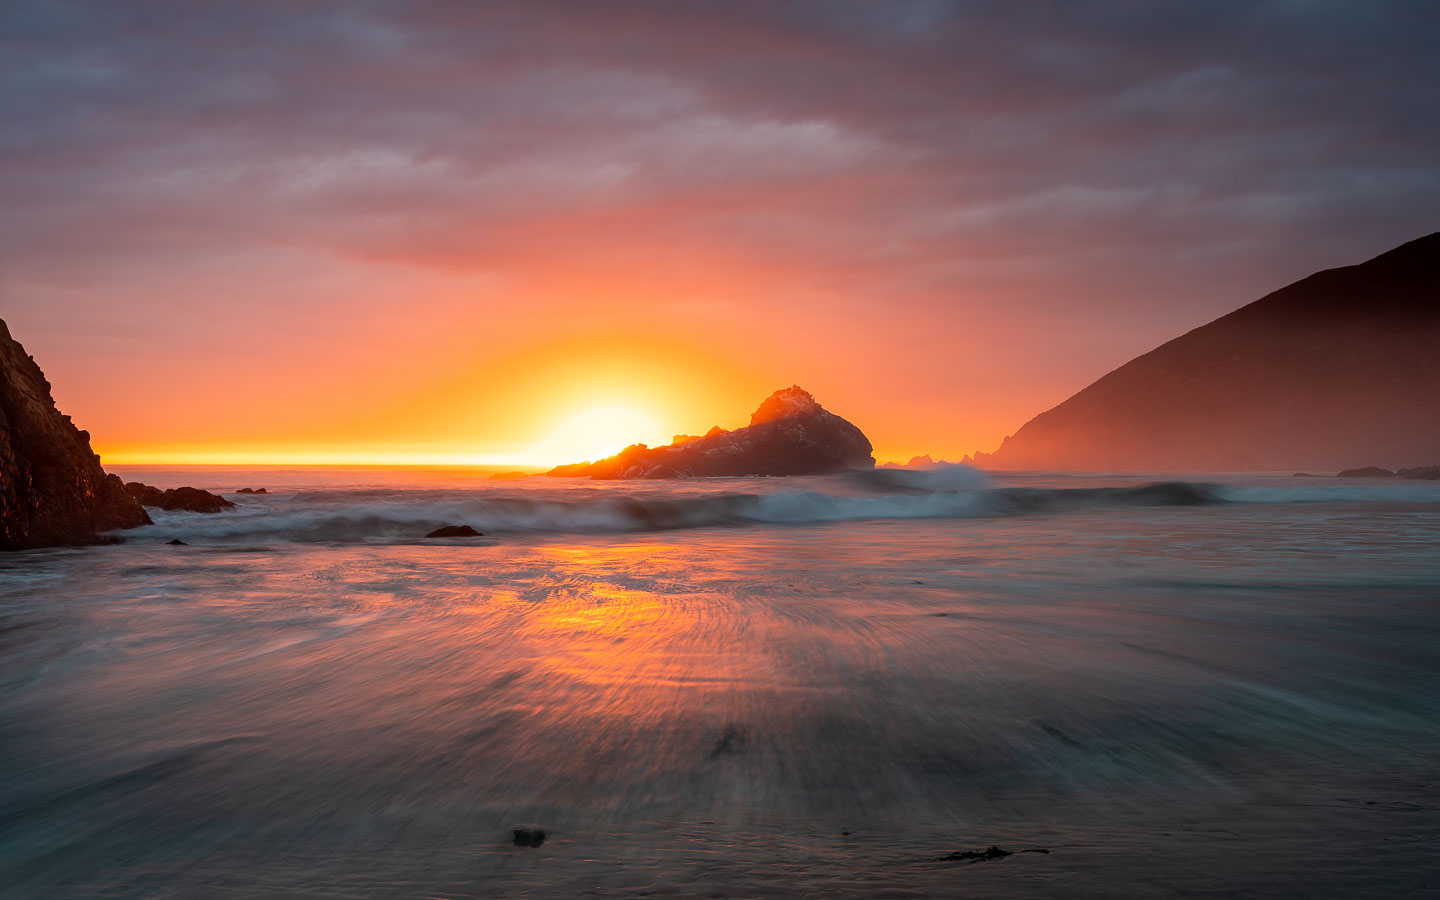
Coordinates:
[790,434]
[921,463]
[1337,370]
[446,531]
[52,489]
[1417,473]
[188,499]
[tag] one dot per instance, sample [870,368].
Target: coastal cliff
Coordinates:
[789,434]
[53,491]
[1339,369]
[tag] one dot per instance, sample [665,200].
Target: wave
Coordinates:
[399,515]
[940,477]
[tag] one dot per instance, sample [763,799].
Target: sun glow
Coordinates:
[536,406]
[597,432]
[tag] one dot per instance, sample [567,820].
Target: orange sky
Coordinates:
[519,233]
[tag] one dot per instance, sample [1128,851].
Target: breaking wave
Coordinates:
[948,492]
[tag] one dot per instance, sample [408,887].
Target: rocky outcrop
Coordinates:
[187,499]
[1417,473]
[451,531]
[790,434]
[1336,370]
[52,489]
[921,463]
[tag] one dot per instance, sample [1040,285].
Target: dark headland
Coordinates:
[1338,370]
[790,434]
[52,489]
[53,492]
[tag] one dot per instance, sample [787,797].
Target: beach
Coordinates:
[1233,689]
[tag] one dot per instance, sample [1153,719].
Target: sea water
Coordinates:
[1205,686]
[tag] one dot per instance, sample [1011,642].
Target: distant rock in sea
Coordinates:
[1339,368]
[188,499]
[252,491]
[52,489]
[445,531]
[1417,473]
[789,434]
[920,463]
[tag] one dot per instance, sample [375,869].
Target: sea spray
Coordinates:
[390,515]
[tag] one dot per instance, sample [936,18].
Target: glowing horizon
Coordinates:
[402,243]
[590,434]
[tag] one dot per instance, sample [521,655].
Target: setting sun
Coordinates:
[598,432]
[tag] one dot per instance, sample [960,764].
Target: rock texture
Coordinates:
[52,489]
[188,499]
[1340,369]
[790,434]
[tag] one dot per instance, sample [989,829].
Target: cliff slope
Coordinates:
[52,489]
[1336,370]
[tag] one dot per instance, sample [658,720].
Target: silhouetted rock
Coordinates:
[53,491]
[188,499]
[1337,367]
[177,543]
[1303,475]
[789,434]
[252,491]
[529,836]
[1367,472]
[454,531]
[920,463]
[1426,473]
[982,855]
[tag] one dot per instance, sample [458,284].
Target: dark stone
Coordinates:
[1367,472]
[790,434]
[732,741]
[188,499]
[53,492]
[177,543]
[455,531]
[1303,475]
[529,836]
[1425,473]
[982,855]
[245,491]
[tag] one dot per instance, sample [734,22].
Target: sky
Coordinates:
[525,233]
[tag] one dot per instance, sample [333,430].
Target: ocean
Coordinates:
[1217,685]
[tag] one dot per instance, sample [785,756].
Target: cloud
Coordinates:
[1137,167]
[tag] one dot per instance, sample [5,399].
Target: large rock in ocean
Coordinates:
[52,489]
[1338,370]
[186,499]
[790,434]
